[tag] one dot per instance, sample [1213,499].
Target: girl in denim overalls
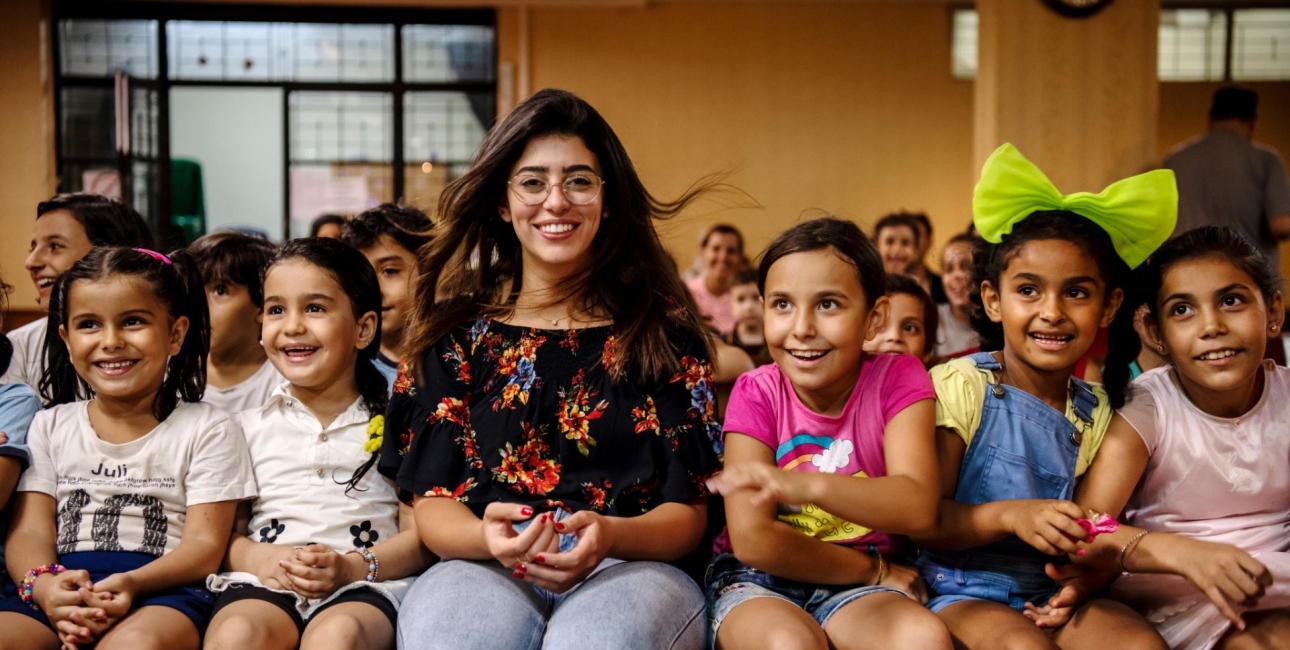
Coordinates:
[1015,428]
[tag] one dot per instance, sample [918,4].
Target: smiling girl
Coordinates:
[129,500]
[67,227]
[326,545]
[1015,428]
[830,457]
[557,423]
[722,253]
[1197,458]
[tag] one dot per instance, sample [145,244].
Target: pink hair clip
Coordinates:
[154,255]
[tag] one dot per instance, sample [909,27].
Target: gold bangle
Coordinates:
[882,568]
[1130,545]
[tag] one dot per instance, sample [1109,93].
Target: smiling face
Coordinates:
[905,331]
[898,246]
[120,337]
[1215,326]
[57,241]
[816,323]
[395,268]
[1051,300]
[722,255]
[310,333]
[956,272]
[555,235]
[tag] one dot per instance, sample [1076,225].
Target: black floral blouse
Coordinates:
[531,416]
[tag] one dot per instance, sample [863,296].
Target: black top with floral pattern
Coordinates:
[531,416]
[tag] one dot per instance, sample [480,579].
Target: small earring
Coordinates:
[1275,327]
[1160,347]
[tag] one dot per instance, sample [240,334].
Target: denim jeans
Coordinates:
[460,605]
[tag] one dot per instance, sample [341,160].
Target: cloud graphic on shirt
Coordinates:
[836,457]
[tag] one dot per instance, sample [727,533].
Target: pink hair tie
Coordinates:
[154,255]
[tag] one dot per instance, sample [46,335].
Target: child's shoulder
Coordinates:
[963,370]
[18,393]
[196,418]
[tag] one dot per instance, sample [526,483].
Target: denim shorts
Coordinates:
[730,583]
[957,577]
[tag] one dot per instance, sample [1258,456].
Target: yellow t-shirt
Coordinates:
[961,386]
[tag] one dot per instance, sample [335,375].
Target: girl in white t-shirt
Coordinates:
[326,542]
[129,499]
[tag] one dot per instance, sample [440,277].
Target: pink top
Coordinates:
[764,406]
[717,310]
[1224,480]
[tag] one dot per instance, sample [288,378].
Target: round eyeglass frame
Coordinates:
[551,186]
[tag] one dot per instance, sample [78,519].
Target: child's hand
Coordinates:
[1229,577]
[899,576]
[1075,588]
[559,572]
[271,574]
[770,484]
[316,571]
[113,594]
[1048,525]
[83,626]
[59,596]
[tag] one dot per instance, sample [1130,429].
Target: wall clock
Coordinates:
[1077,8]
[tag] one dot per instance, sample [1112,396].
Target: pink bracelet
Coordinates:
[25,589]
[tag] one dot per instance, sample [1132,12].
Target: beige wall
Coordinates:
[844,108]
[26,137]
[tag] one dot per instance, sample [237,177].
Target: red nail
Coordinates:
[519,566]
[559,526]
[526,512]
[539,559]
[1080,552]
[518,575]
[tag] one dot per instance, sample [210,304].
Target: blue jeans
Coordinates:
[460,604]
[978,576]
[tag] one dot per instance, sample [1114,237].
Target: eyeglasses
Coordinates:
[579,189]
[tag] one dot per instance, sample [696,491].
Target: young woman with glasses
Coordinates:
[555,424]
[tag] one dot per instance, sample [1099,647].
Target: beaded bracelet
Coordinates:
[25,589]
[1129,546]
[373,565]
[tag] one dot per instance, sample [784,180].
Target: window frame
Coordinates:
[160,217]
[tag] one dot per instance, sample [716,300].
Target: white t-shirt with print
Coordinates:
[28,348]
[301,469]
[134,496]
[251,393]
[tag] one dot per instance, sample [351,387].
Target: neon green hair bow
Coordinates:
[1139,212]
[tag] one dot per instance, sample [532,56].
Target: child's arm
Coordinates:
[903,502]
[247,555]
[767,544]
[200,550]
[10,470]
[316,571]
[1228,576]
[31,543]
[1046,524]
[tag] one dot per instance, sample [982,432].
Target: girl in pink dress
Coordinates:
[1198,460]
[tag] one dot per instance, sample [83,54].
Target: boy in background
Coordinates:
[745,303]
[389,236]
[239,376]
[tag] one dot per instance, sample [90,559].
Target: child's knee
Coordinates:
[795,637]
[135,638]
[236,633]
[923,630]
[335,631]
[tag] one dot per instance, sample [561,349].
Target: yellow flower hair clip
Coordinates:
[375,434]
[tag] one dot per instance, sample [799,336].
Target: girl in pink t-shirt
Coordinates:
[830,454]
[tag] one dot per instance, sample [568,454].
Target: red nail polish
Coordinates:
[526,512]
[518,575]
[539,559]
[559,526]
[519,566]
[1080,552]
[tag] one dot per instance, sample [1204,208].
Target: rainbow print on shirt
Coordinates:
[825,455]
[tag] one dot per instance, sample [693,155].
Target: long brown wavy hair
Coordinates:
[474,257]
